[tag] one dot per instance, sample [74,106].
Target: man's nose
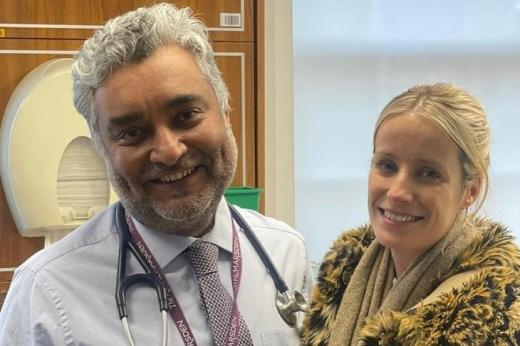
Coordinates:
[168,147]
[401,189]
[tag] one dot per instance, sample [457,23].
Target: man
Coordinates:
[157,108]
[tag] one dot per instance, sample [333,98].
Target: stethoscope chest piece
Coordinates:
[288,304]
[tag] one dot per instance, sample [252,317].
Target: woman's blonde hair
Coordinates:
[459,114]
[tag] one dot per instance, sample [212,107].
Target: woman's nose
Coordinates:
[167,148]
[400,189]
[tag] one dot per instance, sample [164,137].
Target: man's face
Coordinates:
[171,154]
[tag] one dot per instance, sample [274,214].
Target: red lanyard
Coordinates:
[174,308]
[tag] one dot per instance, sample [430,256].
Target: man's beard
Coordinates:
[195,215]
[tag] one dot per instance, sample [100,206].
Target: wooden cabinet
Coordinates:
[75,19]
[34,31]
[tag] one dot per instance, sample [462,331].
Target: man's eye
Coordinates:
[130,136]
[189,116]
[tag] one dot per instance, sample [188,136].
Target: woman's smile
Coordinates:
[399,218]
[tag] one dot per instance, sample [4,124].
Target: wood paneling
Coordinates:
[96,12]
[239,57]
[259,106]
[3,290]
[235,61]
[5,276]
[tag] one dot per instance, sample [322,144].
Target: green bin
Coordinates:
[244,196]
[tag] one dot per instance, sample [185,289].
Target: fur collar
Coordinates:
[485,310]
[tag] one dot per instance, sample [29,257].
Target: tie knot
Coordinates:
[203,257]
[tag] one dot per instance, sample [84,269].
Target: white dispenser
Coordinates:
[52,177]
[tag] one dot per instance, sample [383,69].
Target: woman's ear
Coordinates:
[472,191]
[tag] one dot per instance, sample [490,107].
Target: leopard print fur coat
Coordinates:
[483,311]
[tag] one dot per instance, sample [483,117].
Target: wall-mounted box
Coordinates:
[52,177]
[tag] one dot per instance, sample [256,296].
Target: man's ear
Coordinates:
[472,192]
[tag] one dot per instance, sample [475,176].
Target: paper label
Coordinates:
[230,20]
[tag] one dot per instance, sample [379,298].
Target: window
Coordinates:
[352,57]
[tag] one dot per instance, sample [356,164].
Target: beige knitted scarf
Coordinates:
[371,289]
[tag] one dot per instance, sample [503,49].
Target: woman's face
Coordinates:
[415,188]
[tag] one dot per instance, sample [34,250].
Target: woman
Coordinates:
[427,270]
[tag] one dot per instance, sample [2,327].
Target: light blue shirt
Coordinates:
[64,294]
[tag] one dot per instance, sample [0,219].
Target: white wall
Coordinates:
[352,57]
[279,143]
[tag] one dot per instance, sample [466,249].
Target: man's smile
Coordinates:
[174,176]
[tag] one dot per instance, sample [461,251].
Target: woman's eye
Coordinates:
[430,174]
[386,165]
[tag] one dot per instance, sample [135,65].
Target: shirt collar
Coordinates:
[166,247]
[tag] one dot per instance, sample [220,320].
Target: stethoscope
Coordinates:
[287,303]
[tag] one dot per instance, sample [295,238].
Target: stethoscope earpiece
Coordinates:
[288,304]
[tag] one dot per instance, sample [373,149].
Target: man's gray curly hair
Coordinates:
[132,37]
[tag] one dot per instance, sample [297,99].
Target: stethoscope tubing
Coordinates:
[280,284]
[123,283]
